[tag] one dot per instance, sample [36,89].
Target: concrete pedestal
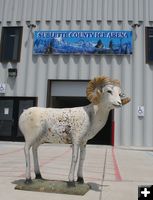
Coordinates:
[53,186]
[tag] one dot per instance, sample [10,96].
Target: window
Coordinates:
[149,44]
[10,48]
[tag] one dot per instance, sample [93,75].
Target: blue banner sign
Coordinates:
[82,42]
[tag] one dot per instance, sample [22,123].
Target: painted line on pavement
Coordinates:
[11,152]
[55,158]
[49,161]
[118,176]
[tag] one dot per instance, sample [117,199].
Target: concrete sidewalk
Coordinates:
[113,173]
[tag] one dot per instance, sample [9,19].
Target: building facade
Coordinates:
[52,80]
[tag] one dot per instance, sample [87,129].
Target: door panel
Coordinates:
[6,109]
[10,110]
[104,136]
[23,104]
[6,117]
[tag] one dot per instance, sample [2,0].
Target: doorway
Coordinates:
[72,93]
[10,110]
[104,137]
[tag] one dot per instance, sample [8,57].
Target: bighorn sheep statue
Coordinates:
[70,125]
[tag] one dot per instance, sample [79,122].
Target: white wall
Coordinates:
[136,76]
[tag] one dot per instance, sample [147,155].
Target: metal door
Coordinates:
[6,117]
[23,104]
[10,110]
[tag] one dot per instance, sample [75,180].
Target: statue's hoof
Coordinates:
[71,184]
[80,180]
[38,176]
[28,181]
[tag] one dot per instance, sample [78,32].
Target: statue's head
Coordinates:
[107,91]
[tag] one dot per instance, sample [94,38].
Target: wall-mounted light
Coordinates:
[31,26]
[135,25]
[12,72]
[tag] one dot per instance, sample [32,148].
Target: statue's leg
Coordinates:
[36,163]
[27,158]
[81,162]
[75,150]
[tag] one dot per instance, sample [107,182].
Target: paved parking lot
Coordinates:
[113,173]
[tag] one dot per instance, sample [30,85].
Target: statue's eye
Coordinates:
[109,91]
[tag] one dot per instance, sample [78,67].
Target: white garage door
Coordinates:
[69,88]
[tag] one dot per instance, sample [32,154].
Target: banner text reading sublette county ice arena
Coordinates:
[82,42]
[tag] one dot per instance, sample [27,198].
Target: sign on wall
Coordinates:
[2,88]
[82,42]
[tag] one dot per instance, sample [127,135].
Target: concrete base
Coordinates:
[52,186]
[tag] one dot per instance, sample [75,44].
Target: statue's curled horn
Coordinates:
[94,86]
